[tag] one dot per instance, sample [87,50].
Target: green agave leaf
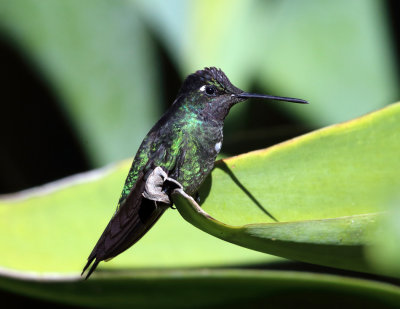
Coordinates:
[332,242]
[100,60]
[206,288]
[326,189]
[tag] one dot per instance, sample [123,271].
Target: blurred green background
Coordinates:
[83,81]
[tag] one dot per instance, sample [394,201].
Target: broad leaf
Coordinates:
[54,228]
[209,288]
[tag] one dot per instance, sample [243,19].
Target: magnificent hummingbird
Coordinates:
[184,143]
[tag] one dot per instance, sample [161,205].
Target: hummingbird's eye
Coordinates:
[210,90]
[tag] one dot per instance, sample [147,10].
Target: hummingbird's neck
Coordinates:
[202,115]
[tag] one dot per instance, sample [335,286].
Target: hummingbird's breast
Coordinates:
[200,147]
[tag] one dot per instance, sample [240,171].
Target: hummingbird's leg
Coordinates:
[170,185]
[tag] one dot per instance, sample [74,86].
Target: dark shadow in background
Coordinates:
[393,18]
[38,144]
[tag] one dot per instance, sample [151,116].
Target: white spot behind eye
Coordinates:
[203,88]
[217,146]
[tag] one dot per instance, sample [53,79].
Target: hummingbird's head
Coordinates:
[210,93]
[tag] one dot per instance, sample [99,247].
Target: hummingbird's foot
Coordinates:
[159,185]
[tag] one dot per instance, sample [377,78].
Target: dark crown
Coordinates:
[207,76]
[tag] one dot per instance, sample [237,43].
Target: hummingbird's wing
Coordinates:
[135,214]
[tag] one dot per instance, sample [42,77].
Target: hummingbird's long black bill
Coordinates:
[247,95]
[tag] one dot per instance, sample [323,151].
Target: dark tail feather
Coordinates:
[110,245]
[91,270]
[86,266]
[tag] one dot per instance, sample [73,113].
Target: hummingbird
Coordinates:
[184,143]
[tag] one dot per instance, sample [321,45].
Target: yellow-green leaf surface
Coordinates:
[332,242]
[346,169]
[54,228]
[385,252]
[325,189]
